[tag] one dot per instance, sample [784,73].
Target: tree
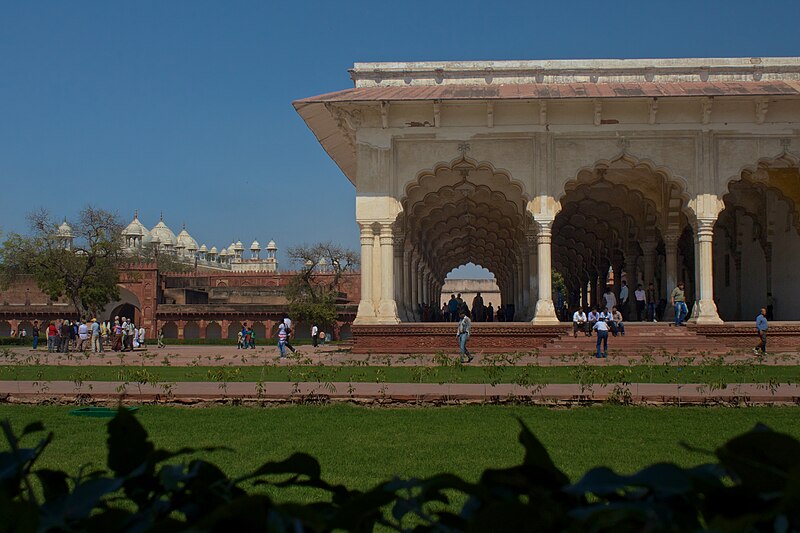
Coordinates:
[80,262]
[313,292]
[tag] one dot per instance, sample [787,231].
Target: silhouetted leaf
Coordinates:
[128,446]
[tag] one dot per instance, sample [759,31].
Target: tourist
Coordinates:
[617,325]
[477,308]
[283,339]
[52,338]
[499,313]
[135,342]
[578,322]
[240,339]
[452,308]
[73,334]
[609,299]
[678,298]
[63,343]
[142,342]
[640,299]
[650,298]
[35,334]
[287,324]
[594,316]
[602,337]
[161,338]
[762,325]
[606,316]
[314,335]
[464,327]
[490,313]
[97,344]
[623,298]
[252,336]
[117,330]
[83,336]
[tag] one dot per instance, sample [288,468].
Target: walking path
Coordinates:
[188,392]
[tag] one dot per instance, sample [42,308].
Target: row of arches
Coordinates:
[623,215]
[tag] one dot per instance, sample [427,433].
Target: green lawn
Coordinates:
[361,446]
[730,373]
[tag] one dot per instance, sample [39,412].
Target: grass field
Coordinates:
[729,373]
[361,446]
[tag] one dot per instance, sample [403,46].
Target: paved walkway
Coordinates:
[89,391]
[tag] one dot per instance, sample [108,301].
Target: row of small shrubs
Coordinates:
[225,342]
[18,341]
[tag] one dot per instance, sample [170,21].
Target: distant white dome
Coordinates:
[213,250]
[185,240]
[163,233]
[135,228]
[238,246]
[204,249]
[223,253]
[232,249]
[65,230]
[272,246]
[255,246]
[322,261]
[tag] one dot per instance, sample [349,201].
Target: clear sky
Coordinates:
[185,106]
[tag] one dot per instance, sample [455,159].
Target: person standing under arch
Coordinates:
[464,327]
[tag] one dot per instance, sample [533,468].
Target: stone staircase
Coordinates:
[641,338]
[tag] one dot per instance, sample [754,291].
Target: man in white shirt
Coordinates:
[602,337]
[640,297]
[287,323]
[593,317]
[83,336]
[314,335]
[578,322]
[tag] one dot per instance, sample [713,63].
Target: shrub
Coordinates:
[752,486]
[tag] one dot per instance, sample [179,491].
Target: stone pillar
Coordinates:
[366,307]
[533,281]
[181,328]
[584,292]
[420,286]
[649,251]
[526,285]
[202,324]
[545,310]
[707,308]
[671,250]
[399,276]
[387,309]
[414,273]
[408,282]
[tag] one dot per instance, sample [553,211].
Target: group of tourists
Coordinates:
[84,335]
[479,312]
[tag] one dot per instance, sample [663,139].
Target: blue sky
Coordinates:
[185,106]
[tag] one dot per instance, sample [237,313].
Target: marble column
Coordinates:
[545,310]
[649,251]
[366,307]
[387,308]
[407,286]
[707,308]
[414,274]
[671,259]
[399,276]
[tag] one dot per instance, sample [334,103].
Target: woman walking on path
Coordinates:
[463,336]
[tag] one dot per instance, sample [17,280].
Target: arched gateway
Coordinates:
[647,171]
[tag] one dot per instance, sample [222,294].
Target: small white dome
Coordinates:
[185,240]
[223,253]
[255,246]
[204,249]
[135,228]
[213,250]
[238,246]
[65,230]
[322,261]
[232,248]
[272,246]
[164,234]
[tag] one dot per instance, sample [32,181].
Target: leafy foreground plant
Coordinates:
[755,485]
